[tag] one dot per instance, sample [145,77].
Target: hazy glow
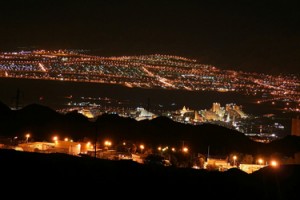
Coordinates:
[185,149]
[274,163]
[107,143]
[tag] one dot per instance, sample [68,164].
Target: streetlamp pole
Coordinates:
[234,160]
[96,131]
[94,123]
[27,137]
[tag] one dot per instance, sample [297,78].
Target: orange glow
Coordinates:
[55,138]
[66,139]
[142,146]
[27,137]
[107,143]
[88,144]
[185,149]
[234,160]
[274,163]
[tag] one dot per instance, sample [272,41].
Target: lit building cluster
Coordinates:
[152,71]
[230,113]
[262,128]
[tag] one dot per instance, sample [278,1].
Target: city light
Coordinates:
[185,149]
[274,163]
[107,143]
[148,71]
[55,138]
[27,137]
[165,149]
[234,160]
[88,144]
[66,139]
[142,147]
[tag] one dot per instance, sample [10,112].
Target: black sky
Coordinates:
[250,35]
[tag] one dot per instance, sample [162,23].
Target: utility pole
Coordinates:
[94,123]
[208,151]
[96,132]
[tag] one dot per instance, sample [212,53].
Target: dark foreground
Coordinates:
[72,176]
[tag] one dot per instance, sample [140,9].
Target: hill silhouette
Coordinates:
[43,123]
[4,111]
[163,131]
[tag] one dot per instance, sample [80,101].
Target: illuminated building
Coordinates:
[197,117]
[216,107]
[144,114]
[86,113]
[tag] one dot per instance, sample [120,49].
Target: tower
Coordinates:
[216,107]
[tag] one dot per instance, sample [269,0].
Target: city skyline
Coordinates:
[251,36]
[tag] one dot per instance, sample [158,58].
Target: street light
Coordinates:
[234,160]
[185,149]
[55,138]
[94,121]
[27,137]
[142,147]
[107,144]
[260,161]
[274,163]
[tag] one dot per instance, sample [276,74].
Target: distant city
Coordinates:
[150,71]
[260,128]
[162,72]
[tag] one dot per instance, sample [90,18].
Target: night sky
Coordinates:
[261,36]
